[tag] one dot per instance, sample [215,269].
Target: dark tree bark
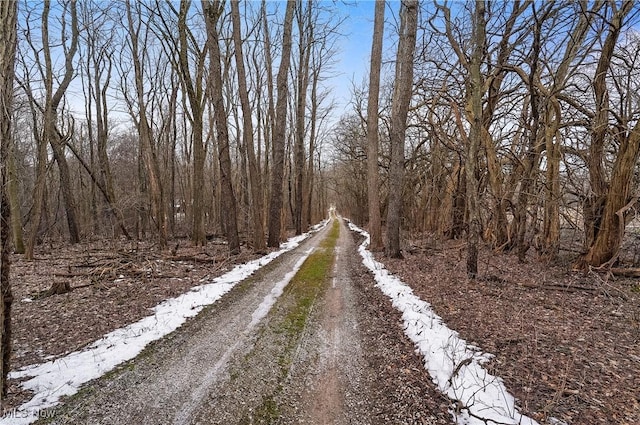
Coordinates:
[531,160]
[305,28]
[49,133]
[255,177]
[14,203]
[53,98]
[279,132]
[399,110]
[545,121]
[194,87]
[475,90]
[307,213]
[101,63]
[148,152]
[8,36]
[373,184]
[213,11]
[612,199]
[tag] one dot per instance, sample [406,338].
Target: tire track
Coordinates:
[170,381]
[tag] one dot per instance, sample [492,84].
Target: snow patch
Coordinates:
[478,398]
[258,314]
[63,376]
[271,298]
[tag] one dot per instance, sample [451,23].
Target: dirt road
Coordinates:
[328,353]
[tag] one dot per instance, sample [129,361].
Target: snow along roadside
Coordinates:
[63,376]
[478,398]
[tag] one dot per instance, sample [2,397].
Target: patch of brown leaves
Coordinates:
[566,344]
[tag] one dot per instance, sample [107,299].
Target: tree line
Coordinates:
[522,129]
[512,124]
[159,119]
[154,119]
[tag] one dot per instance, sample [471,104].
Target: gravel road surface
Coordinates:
[233,364]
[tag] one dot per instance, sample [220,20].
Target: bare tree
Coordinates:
[99,49]
[305,29]
[399,110]
[194,87]
[141,119]
[546,120]
[14,200]
[349,175]
[475,91]
[320,108]
[373,189]
[269,116]
[531,159]
[255,177]
[48,109]
[511,36]
[212,12]
[50,112]
[279,132]
[613,198]
[8,36]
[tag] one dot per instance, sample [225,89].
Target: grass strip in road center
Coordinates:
[309,281]
[289,318]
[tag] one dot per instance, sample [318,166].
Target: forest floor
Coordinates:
[566,344]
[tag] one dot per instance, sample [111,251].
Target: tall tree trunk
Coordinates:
[305,28]
[531,160]
[308,208]
[14,202]
[475,91]
[399,111]
[373,179]
[611,201]
[459,195]
[147,146]
[50,113]
[497,229]
[551,219]
[498,226]
[213,11]
[8,36]
[197,187]
[58,148]
[279,133]
[552,119]
[173,135]
[38,191]
[142,217]
[269,120]
[255,177]
[89,94]
[102,136]
[193,86]
[49,132]
[617,204]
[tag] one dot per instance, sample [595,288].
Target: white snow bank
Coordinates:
[63,377]
[271,298]
[478,398]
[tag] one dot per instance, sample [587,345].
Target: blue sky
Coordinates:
[356,43]
[352,58]
[355,47]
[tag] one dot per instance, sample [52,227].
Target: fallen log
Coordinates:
[625,272]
